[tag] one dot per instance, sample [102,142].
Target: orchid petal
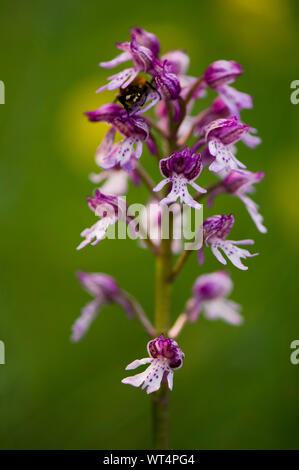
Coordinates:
[120,59]
[160,185]
[82,324]
[138,362]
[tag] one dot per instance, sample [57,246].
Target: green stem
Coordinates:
[163,312]
[162,323]
[161,418]
[163,287]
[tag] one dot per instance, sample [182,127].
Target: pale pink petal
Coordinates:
[82,324]
[138,151]
[179,190]
[233,252]
[121,58]
[223,309]
[152,100]
[121,79]
[253,210]
[235,100]
[98,177]
[217,254]
[170,379]
[97,232]
[190,201]
[120,153]
[197,187]
[151,378]
[135,380]
[170,198]
[224,158]
[161,185]
[105,148]
[131,77]
[251,140]
[116,183]
[241,242]
[138,362]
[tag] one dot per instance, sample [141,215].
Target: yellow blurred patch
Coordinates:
[271,10]
[80,138]
[263,27]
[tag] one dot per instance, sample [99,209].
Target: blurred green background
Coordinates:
[237,388]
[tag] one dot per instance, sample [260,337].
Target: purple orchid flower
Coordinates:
[218,76]
[165,357]
[220,136]
[135,129]
[215,231]
[141,56]
[147,39]
[110,209]
[105,290]
[219,110]
[180,169]
[209,296]
[166,81]
[144,57]
[239,183]
[178,63]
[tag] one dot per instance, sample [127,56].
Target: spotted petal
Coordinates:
[224,157]
[122,152]
[234,253]
[119,80]
[151,378]
[235,100]
[106,146]
[179,190]
[96,231]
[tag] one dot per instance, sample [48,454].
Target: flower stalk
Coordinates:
[163,303]
[163,297]
[162,82]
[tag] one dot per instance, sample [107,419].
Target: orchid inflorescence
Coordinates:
[191,143]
